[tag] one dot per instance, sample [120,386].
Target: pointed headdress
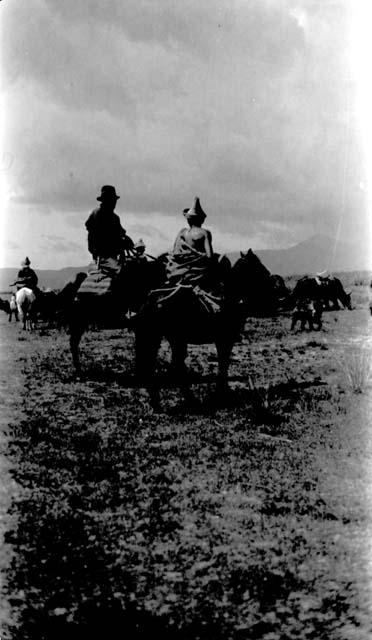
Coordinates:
[140,243]
[195,211]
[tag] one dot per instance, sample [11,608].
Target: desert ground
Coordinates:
[249,520]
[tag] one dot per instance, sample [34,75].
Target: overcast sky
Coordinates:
[248,104]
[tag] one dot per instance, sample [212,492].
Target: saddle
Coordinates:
[101,278]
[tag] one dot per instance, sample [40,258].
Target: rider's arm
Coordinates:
[179,236]
[208,244]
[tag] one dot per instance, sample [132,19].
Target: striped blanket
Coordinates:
[100,279]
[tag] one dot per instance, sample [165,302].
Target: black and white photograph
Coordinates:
[185,319]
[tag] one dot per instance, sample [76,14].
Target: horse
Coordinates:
[261,292]
[5,306]
[13,309]
[25,299]
[181,321]
[248,289]
[45,306]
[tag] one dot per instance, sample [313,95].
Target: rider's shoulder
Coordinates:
[93,214]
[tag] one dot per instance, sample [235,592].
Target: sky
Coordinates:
[248,104]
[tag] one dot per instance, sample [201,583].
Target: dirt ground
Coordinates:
[247,521]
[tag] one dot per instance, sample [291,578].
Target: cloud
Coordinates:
[248,105]
[59,244]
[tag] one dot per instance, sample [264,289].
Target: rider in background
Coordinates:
[139,250]
[26,277]
[106,236]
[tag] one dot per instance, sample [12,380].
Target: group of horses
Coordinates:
[30,307]
[248,289]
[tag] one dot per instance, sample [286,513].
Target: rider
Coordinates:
[106,236]
[195,236]
[26,277]
[139,249]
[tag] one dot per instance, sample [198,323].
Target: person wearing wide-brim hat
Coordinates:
[106,236]
[194,236]
[26,276]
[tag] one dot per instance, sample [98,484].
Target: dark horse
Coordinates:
[252,283]
[181,321]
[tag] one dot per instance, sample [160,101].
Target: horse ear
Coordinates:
[242,255]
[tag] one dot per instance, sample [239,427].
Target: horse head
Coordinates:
[4,306]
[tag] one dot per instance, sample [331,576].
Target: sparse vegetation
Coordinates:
[246,522]
[356,366]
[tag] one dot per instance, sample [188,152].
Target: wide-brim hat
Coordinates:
[108,192]
[195,211]
[26,262]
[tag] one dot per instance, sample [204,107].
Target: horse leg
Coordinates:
[224,348]
[179,354]
[23,319]
[77,327]
[146,347]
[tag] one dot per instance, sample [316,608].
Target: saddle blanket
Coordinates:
[187,297]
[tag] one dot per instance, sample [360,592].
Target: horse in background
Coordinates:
[261,292]
[25,299]
[4,306]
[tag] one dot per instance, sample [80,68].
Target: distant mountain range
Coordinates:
[311,256]
[318,253]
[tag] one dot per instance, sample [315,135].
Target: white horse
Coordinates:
[25,299]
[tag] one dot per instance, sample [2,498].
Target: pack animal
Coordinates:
[307,312]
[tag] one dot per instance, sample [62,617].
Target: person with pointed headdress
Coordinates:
[26,276]
[191,261]
[139,250]
[192,278]
[194,236]
[106,236]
